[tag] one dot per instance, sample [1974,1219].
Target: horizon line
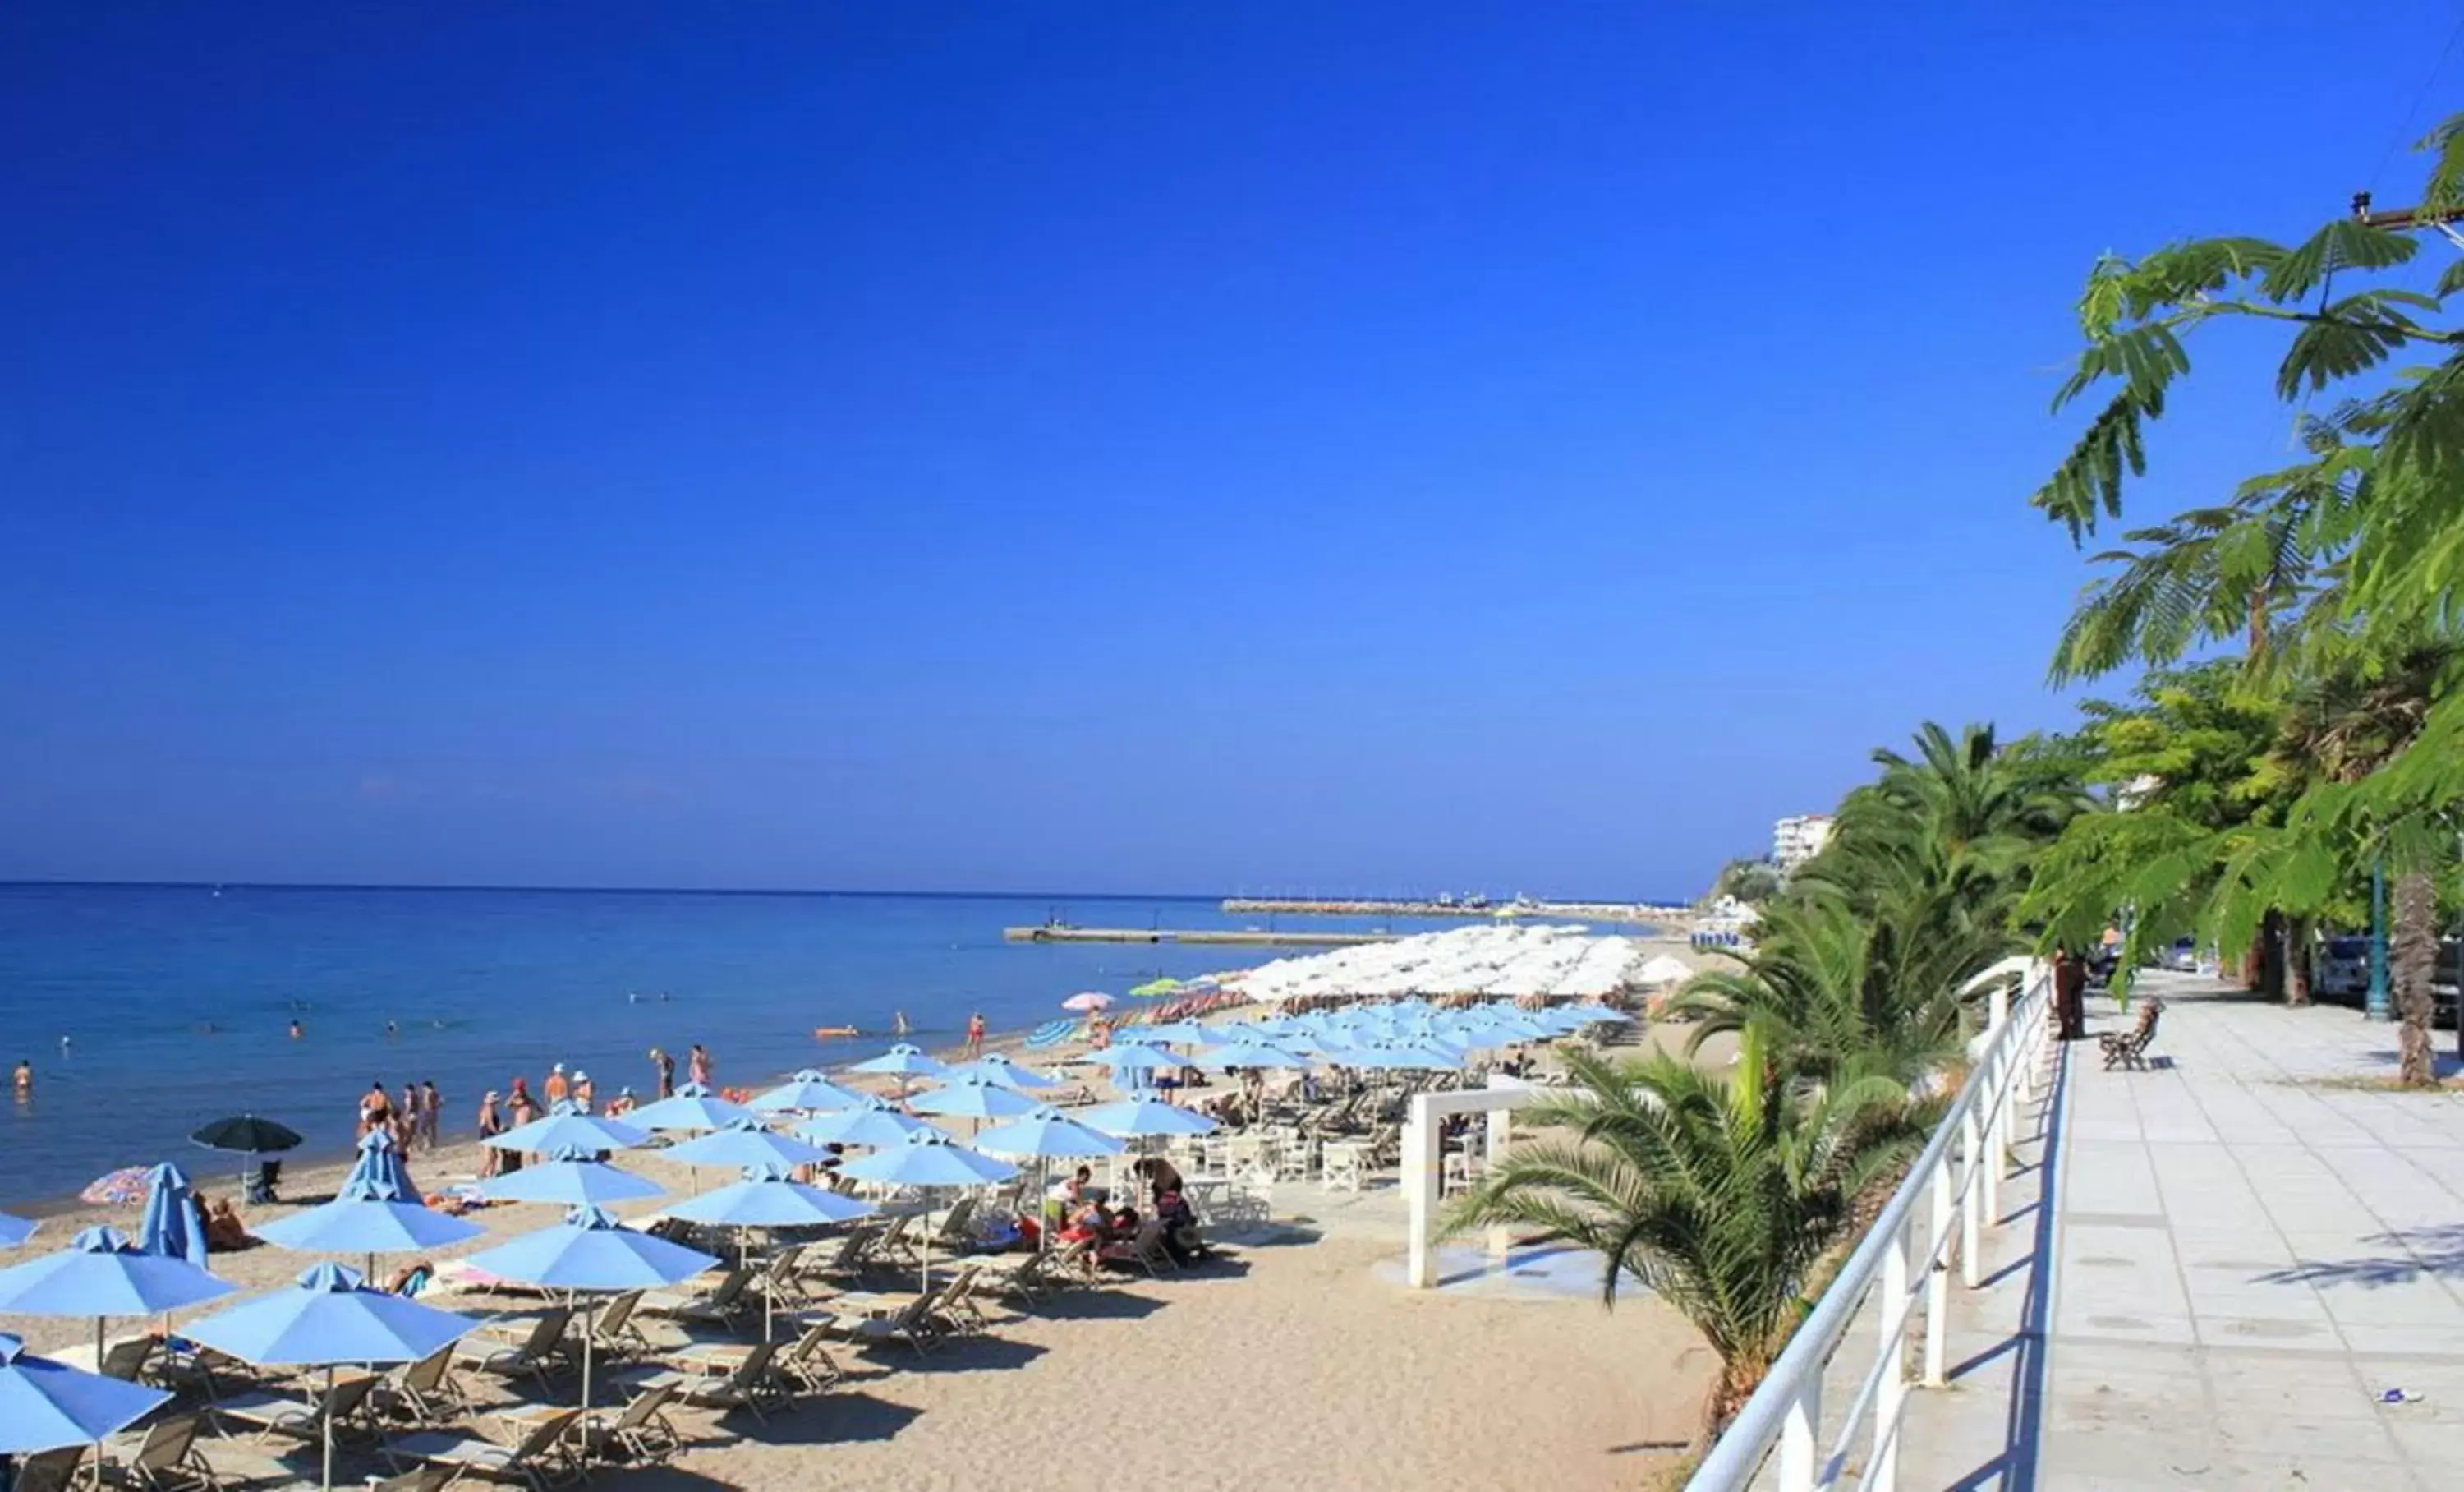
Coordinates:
[81,883]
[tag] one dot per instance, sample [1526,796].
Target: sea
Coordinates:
[149,1011]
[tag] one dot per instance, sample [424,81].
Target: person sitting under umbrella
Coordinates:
[225,1230]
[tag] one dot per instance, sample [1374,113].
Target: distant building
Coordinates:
[1798,839]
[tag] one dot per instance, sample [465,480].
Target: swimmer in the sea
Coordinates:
[296,1031]
[392,1031]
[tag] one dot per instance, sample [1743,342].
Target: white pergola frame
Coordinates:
[1424,1176]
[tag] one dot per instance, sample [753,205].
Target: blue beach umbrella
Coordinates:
[744,1143]
[47,1406]
[566,1130]
[590,1251]
[1591,1013]
[1046,1132]
[14,1230]
[1001,1070]
[694,1107]
[931,1159]
[380,1169]
[365,1218]
[329,1318]
[1134,1119]
[903,1061]
[976,1097]
[876,1123]
[806,1091]
[575,1178]
[1223,1058]
[767,1197]
[172,1228]
[1133,1058]
[101,1275]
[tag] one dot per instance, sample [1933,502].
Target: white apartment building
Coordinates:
[1797,840]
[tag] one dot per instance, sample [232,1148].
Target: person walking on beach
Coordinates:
[665,1066]
[555,1087]
[583,1091]
[975,1034]
[376,1108]
[698,1064]
[490,1125]
[431,1114]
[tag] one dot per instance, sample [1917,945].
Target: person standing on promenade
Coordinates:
[698,1064]
[555,1086]
[665,1066]
[431,1114]
[2070,996]
[976,1034]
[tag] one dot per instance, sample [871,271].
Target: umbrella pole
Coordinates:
[589,1332]
[328,1418]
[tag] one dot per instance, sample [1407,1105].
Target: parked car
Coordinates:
[2341,973]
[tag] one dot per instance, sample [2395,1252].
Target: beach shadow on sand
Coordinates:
[1098,1306]
[971,1354]
[838,1418]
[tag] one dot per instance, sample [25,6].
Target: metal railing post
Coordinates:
[1796,1438]
[1884,1475]
[1971,1152]
[1992,1200]
[1938,1278]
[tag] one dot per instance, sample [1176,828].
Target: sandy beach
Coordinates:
[1297,1354]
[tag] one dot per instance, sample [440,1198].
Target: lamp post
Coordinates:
[2378,1007]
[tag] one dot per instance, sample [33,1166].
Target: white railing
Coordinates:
[1961,1171]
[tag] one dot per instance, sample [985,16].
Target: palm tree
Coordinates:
[1719,1193]
[1831,990]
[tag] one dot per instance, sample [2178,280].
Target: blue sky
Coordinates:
[1302,447]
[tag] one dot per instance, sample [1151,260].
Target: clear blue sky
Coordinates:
[1103,447]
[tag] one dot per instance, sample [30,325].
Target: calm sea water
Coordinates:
[176,1000]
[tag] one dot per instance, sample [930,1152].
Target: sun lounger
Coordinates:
[806,1363]
[49,1471]
[722,1303]
[847,1260]
[541,1343]
[538,1458]
[165,1458]
[273,1412]
[751,1385]
[423,1393]
[642,1435]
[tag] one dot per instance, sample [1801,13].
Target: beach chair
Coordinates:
[751,1385]
[720,1305]
[642,1435]
[1144,1250]
[538,1459]
[892,1249]
[780,1278]
[541,1343]
[423,1394]
[49,1471]
[957,1231]
[915,1319]
[848,1260]
[957,1310]
[127,1358]
[271,1411]
[614,1334]
[165,1458]
[806,1363]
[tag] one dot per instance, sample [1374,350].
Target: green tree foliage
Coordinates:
[1753,881]
[1721,1193]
